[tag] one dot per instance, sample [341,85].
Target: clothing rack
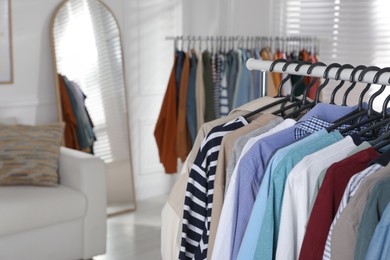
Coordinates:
[253,64]
[274,42]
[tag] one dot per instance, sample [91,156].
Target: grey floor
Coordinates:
[135,235]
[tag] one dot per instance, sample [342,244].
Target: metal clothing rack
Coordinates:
[383,79]
[274,42]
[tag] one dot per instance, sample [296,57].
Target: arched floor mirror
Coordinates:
[87,53]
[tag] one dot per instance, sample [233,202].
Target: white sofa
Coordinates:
[67,222]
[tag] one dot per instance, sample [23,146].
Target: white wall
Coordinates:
[31,98]
[227,17]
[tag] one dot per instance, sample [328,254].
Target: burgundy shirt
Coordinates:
[328,200]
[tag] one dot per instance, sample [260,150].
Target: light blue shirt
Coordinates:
[252,167]
[249,242]
[268,237]
[380,242]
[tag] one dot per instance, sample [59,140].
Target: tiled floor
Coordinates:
[136,235]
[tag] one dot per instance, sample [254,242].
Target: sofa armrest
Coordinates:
[87,174]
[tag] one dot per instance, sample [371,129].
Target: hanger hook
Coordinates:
[309,71]
[337,77]
[326,72]
[351,79]
[379,73]
[271,68]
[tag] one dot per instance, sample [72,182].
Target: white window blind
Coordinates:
[350,31]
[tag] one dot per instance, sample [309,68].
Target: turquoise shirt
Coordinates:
[268,237]
[249,242]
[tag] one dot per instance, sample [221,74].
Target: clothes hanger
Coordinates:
[320,87]
[384,115]
[352,86]
[337,77]
[306,105]
[280,101]
[351,116]
[292,98]
[370,112]
[323,85]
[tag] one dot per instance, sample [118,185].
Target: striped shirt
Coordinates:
[198,200]
[223,99]
[216,70]
[349,192]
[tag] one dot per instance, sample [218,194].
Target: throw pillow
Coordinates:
[29,155]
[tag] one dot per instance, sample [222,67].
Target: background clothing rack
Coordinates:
[253,64]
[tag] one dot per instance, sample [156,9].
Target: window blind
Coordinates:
[350,31]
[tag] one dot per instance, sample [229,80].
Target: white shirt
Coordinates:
[298,196]
[222,245]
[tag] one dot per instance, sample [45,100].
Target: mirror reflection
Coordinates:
[88,56]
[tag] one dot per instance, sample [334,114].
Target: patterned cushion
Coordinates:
[29,155]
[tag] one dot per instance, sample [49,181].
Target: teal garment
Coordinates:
[377,202]
[249,242]
[269,232]
[380,243]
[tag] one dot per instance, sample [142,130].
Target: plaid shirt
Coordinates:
[315,124]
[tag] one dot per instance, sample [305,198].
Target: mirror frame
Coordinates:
[58,95]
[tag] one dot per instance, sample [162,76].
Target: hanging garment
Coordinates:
[272,84]
[320,179]
[253,183]
[85,134]
[232,72]
[238,54]
[223,157]
[216,64]
[172,213]
[344,233]
[239,145]
[183,143]
[200,94]
[179,68]
[379,244]
[269,231]
[70,134]
[350,190]
[223,98]
[244,87]
[199,193]
[328,201]
[191,117]
[376,204]
[298,197]
[166,126]
[208,84]
[223,240]
[251,169]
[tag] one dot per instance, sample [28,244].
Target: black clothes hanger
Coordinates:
[323,85]
[360,112]
[295,101]
[384,158]
[385,117]
[305,104]
[326,72]
[370,112]
[351,79]
[291,97]
[337,77]
[280,101]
